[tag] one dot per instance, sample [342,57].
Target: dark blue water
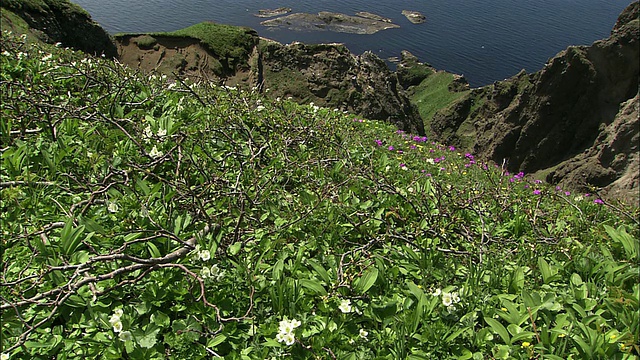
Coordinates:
[486,40]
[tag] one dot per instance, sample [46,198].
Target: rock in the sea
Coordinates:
[271,13]
[329,21]
[372,16]
[414,16]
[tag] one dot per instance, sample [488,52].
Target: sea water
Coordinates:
[485,40]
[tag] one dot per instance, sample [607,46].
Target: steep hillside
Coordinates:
[546,122]
[55,21]
[149,219]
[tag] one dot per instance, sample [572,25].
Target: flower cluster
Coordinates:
[116,322]
[345,306]
[449,299]
[285,331]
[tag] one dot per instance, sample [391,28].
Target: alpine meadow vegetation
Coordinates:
[144,218]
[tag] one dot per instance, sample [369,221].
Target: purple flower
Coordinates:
[379,142]
[538,181]
[567,193]
[468,156]
[536,192]
[428,174]
[598,201]
[512,179]
[587,195]
[400,152]
[412,147]
[391,148]
[558,188]
[399,132]
[452,148]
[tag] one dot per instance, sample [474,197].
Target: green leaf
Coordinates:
[547,274]
[217,340]
[324,275]
[148,340]
[235,248]
[499,329]
[364,283]
[70,237]
[314,286]
[161,319]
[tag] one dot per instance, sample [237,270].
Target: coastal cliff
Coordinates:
[57,21]
[575,122]
[327,75]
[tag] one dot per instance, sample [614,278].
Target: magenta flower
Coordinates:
[536,192]
[452,148]
[587,195]
[399,132]
[412,147]
[538,181]
[391,148]
[379,142]
[567,193]
[598,201]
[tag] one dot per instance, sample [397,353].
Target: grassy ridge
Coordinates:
[144,219]
[433,94]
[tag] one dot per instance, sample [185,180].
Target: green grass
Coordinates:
[433,94]
[44,6]
[141,218]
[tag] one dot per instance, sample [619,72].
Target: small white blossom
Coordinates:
[148,132]
[205,273]
[125,336]
[155,153]
[117,326]
[447,299]
[4,356]
[205,255]
[259,108]
[436,292]
[47,57]
[162,132]
[364,333]
[345,306]
[112,207]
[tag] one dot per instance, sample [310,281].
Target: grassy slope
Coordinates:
[226,41]
[383,245]
[433,94]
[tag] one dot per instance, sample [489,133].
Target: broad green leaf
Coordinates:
[314,286]
[217,340]
[499,329]
[324,275]
[367,280]
[70,237]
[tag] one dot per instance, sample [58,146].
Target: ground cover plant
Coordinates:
[147,219]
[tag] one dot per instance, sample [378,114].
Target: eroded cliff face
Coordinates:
[562,120]
[63,22]
[327,74]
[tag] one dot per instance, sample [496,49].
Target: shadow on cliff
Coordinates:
[575,122]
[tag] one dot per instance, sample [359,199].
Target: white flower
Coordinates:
[205,255]
[118,312]
[455,297]
[205,272]
[155,153]
[4,356]
[117,326]
[112,207]
[148,132]
[125,336]
[447,299]
[162,132]
[47,57]
[430,161]
[285,331]
[436,292]
[364,333]
[345,306]
[5,53]
[259,108]
[216,273]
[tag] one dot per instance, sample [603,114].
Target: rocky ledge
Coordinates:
[329,21]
